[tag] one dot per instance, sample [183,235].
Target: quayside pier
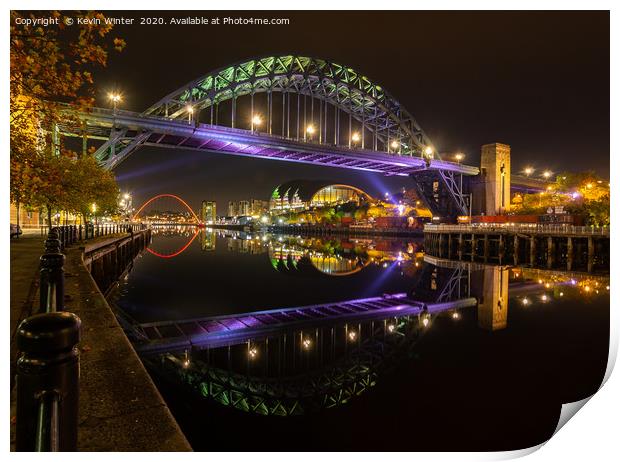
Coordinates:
[550,246]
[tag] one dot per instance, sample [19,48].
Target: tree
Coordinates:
[87,184]
[49,66]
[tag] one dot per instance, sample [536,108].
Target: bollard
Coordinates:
[48,371]
[52,283]
[52,243]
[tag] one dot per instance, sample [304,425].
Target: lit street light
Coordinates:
[547,174]
[115,98]
[355,137]
[257,120]
[190,111]
[459,156]
[428,151]
[395,145]
[310,130]
[528,171]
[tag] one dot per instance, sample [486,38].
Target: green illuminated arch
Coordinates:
[339,85]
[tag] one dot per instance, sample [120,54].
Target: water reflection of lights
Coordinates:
[253,352]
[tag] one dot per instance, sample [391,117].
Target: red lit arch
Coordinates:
[159,196]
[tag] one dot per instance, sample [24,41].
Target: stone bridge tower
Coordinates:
[495,168]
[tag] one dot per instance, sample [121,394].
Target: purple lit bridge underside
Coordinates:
[123,132]
[159,337]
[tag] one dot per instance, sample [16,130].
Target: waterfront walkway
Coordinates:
[120,407]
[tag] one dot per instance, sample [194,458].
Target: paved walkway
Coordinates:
[120,407]
[25,254]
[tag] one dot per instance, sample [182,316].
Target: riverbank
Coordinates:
[120,407]
[347,231]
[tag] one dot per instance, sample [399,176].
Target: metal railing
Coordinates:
[521,227]
[48,363]
[70,234]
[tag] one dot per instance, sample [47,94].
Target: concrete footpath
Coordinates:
[120,407]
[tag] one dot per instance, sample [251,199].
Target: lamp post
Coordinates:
[257,120]
[459,156]
[115,98]
[94,209]
[309,131]
[190,113]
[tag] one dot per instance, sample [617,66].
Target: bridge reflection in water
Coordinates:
[302,359]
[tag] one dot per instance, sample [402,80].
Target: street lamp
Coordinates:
[190,112]
[115,98]
[395,145]
[459,156]
[94,209]
[355,137]
[547,174]
[428,151]
[310,130]
[257,120]
[528,171]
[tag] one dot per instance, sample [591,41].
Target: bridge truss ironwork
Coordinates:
[316,112]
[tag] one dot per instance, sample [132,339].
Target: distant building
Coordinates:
[243,208]
[302,195]
[28,218]
[208,212]
[258,207]
[232,209]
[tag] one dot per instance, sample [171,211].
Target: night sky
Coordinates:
[538,81]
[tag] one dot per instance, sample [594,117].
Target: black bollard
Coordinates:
[48,371]
[52,243]
[52,283]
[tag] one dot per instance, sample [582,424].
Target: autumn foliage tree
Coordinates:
[52,65]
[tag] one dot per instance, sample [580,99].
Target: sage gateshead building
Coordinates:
[301,195]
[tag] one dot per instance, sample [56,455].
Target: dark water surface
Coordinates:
[485,366]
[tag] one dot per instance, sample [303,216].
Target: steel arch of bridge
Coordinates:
[159,196]
[341,86]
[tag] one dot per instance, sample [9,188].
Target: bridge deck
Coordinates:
[223,330]
[164,132]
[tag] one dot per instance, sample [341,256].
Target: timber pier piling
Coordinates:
[553,247]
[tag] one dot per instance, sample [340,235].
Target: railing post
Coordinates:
[52,283]
[48,382]
[52,243]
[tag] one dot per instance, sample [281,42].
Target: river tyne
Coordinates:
[482,358]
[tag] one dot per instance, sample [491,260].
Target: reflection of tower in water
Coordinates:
[493,303]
